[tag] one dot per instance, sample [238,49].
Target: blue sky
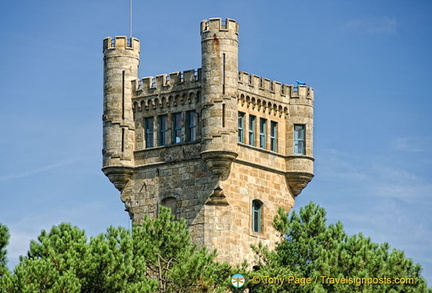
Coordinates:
[368,61]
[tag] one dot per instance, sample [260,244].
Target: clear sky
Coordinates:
[369,62]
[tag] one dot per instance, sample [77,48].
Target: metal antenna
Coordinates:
[130,18]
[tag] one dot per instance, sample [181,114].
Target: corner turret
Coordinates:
[121,61]
[300,143]
[219,51]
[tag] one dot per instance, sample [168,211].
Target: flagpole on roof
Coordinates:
[130,18]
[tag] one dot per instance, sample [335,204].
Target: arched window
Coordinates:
[256,215]
[171,203]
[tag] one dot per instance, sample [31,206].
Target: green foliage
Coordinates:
[4,240]
[327,256]
[171,259]
[157,257]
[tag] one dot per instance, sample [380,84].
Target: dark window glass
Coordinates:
[273,136]
[256,216]
[241,126]
[163,130]
[263,133]
[252,130]
[299,139]
[177,127]
[191,125]
[149,132]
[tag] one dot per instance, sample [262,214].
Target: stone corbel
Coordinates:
[219,162]
[217,197]
[118,175]
[297,181]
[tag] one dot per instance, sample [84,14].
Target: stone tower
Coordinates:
[224,149]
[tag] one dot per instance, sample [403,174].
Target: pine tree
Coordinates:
[331,260]
[157,256]
[4,240]
[163,246]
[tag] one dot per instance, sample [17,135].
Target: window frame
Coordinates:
[176,128]
[163,132]
[149,132]
[299,139]
[241,120]
[191,129]
[252,129]
[257,214]
[273,136]
[263,133]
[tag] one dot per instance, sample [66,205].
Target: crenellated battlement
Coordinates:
[219,24]
[111,43]
[273,89]
[164,83]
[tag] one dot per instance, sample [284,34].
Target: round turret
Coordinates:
[219,49]
[219,53]
[121,61]
[300,143]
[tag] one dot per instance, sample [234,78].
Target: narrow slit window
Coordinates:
[241,116]
[191,126]
[223,115]
[299,139]
[256,216]
[123,94]
[177,128]
[149,132]
[123,140]
[163,130]
[251,130]
[263,133]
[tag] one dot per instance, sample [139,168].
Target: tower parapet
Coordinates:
[276,90]
[218,24]
[168,83]
[121,42]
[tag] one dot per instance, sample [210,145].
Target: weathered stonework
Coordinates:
[217,145]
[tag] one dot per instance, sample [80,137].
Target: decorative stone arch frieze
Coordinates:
[262,105]
[162,101]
